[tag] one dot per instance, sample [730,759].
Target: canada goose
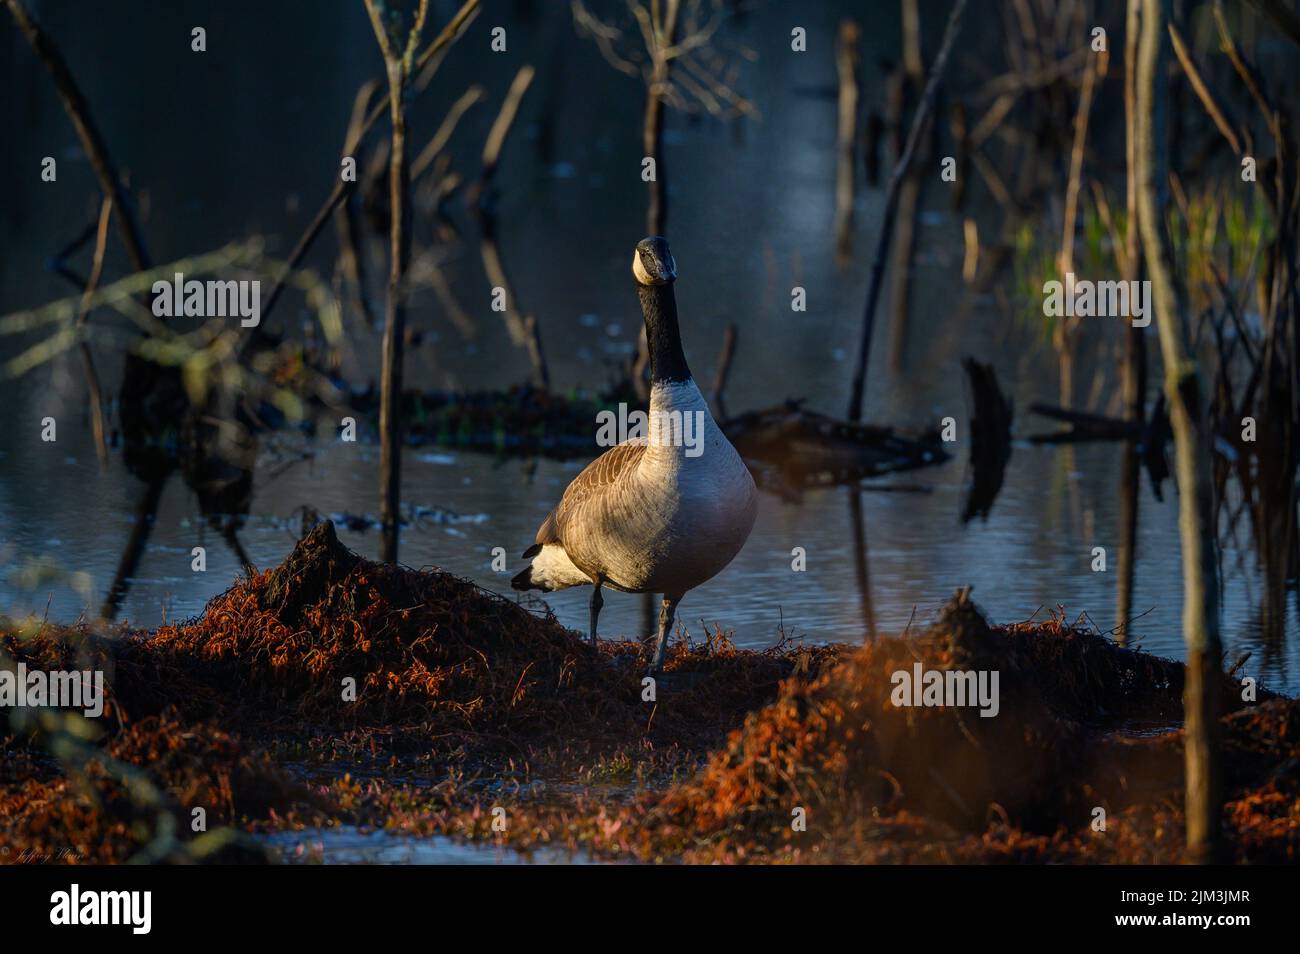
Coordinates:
[653,514]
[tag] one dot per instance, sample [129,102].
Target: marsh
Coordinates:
[752,209]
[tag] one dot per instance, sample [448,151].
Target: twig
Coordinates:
[353,264]
[1202,91]
[440,138]
[88,359]
[398,67]
[724,369]
[891,207]
[846,59]
[505,119]
[1066,333]
[91,140]
[429,58]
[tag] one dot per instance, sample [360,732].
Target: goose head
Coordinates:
[653,263]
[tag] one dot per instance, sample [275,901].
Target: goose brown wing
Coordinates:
[596,478]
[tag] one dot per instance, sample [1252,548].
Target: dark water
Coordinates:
[244,140]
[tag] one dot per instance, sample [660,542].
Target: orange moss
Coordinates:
[1018,787]
[465,701]
[133,797]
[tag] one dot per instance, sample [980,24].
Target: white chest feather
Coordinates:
[684,513]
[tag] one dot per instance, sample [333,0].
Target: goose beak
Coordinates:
[653,263]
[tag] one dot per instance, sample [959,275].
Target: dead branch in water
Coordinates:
[671,34]
[847,59]
[1135,348]
[351,262]
[891,208]
[398,63]
[424,65]
[496,139]
[724,370]
[907,83]
[1084,426]
[1193,440]
[91,140]
[440,138]
[523,329]
[1213,107]
[659,26]
[88,359]
[1067,332]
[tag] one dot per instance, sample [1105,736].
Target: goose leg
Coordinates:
[597,601]
[666,613]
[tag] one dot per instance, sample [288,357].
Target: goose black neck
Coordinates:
[663,338]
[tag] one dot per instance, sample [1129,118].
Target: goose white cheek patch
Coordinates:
[644,277]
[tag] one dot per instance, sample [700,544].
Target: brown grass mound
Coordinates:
[442,670]
[431,650]
[465,700]
[841,750]
[425,652]
[134,798]
[418,647]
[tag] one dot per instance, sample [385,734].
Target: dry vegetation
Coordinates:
[466,701]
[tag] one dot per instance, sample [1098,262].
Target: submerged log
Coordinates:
[521,420]
[1152,433]
[1084,426]
[811,449]
[795,447]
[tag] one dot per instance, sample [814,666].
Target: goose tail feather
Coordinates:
[551,569]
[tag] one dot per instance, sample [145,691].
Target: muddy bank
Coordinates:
[336,691]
